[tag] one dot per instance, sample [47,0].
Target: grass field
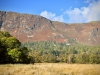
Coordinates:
[50,69]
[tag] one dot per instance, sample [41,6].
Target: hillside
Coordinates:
[30,28]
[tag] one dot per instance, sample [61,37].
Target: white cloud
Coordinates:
[76,15]
[52,16]
[85,14]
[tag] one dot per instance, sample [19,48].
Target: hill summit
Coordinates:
[30,28]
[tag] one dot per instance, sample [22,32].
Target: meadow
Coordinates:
[50,69]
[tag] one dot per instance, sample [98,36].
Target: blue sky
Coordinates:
[68,11]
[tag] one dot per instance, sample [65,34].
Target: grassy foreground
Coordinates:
[50,69]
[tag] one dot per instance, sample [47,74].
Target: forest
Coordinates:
[53,52]
[13,51]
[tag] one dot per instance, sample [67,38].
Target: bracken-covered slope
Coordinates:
[30,28]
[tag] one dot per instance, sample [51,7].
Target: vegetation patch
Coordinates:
[11,50]
[62,52]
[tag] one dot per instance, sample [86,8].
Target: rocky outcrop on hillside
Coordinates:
[28,28]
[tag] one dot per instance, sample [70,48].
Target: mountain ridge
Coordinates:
[30,28]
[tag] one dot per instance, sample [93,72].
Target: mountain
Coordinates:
[30,28]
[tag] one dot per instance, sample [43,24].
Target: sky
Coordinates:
[68,11]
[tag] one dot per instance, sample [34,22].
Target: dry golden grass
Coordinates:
[50,69]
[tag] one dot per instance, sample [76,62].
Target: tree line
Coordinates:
[62,52]
[12,51]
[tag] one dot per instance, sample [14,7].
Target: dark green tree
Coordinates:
[11,50]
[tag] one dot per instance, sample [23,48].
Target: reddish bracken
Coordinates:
[30,28]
